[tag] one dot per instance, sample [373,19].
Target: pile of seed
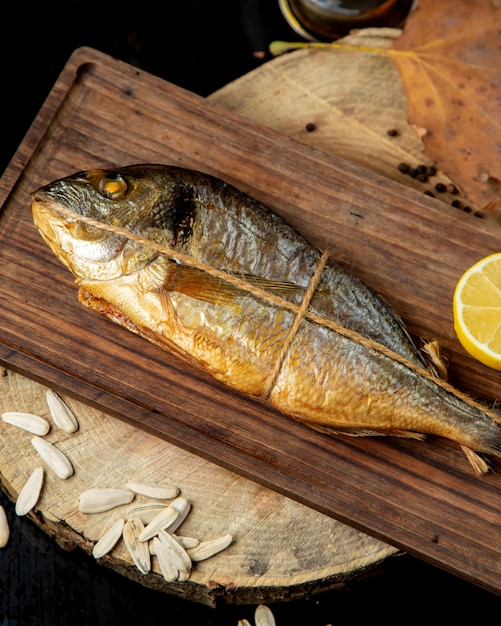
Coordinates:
[147,530]
[54,458]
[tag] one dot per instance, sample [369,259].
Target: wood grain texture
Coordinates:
[421,497]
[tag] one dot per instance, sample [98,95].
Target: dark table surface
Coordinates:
[200,45]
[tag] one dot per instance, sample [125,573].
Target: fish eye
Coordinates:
[113,186]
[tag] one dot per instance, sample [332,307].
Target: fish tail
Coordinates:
[489,442]
[492,439]
[473,425]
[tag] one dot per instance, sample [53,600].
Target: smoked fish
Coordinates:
[207,272]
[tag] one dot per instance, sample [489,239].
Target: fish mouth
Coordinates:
[76,244]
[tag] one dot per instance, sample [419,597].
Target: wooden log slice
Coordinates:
[282,549]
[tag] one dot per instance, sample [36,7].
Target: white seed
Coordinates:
[4,528]
[54,458]
[109,540]
[61,413]
[145,512]
[183,575]
[158,492]
[243,622]
[179,555]
[99,500]
[138,550]
[206,549]
[34,424]
[183,507]
[165,560]
[29,494]
[172,541]
[164,519]
[151,546]
[161,520]
[188,542]
[263,616]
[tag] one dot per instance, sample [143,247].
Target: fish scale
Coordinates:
[354,369]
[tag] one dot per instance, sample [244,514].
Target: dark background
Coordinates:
[200,45]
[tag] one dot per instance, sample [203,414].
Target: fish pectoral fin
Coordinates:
[274,287]
[342,429]
[196,283]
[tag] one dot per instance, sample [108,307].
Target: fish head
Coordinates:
[127,199]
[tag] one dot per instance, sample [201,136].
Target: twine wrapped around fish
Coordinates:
[338,376]
[300,311]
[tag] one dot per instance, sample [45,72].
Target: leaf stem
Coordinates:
[281,47]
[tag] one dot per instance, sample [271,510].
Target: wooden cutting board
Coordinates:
[421,497]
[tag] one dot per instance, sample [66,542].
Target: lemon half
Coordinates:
[477,310]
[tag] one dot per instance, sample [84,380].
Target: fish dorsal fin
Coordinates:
[196,283]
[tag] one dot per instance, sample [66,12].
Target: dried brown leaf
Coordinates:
[346,98]
[449,57]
